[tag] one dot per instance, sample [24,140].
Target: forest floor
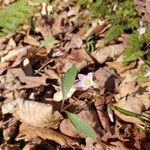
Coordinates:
[75,75]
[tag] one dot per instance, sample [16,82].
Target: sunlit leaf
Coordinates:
[81,125]
[68,80]
[49,41]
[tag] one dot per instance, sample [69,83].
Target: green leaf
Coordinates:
[49,41]
[81,125]
[68,80]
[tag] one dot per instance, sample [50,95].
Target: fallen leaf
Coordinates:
[10,129]
[29,132]
[58,96]
[31,41]
[116,146]
[98,27]
[38,143]
[108,52]
[12,55]
[11,44]
[79,57]
[30,112]
[15,78]
[105,78]
[90,145]
[9,147]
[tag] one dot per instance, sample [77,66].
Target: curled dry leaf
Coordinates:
[33,113]
[107,52]
[29,132]
[11,56]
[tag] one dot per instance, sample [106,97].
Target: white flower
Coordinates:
[147,74]
[142,29]
[84,82]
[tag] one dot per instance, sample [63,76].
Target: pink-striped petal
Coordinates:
[82,77]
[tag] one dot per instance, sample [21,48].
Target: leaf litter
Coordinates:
[68,80]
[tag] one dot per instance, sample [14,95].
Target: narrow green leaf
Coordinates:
[81,125]
[68,80]
[131,114]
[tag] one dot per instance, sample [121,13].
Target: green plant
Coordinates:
[79,123]
[113,33]
[133,49]
[14,15]
[90,45]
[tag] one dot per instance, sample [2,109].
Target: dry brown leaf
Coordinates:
[16,79]
[76,56]
[38,143]
[96,145]
[120,67]
[98,27]
[105,78]
[103,117]
[108,52]
[4,65]
[117,146]
[9,147]
[126,88]
[143,8]
[31,41]
[33,113]
[29,132]
[75,41]
[11,44]
[9,129]
[43,25]
[12,55]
